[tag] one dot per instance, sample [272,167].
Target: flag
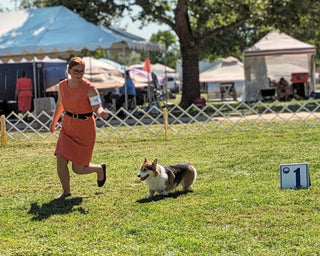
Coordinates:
[147,66]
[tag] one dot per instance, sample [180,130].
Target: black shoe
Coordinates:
[101,182]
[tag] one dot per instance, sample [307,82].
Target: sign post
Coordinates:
[3,131]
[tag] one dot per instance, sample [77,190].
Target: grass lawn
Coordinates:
[236,206]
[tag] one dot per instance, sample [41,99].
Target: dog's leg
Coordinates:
[189,179]
[151,192]
[185,186]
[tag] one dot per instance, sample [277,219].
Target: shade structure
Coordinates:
[225,70]
[132,42]
[52,31]
[224,73]
[274,56]
[59,32]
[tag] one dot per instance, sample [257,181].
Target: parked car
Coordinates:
[172,84]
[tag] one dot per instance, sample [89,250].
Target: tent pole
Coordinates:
[165,93]
[90,64]
[149,84]
[34,78]
[125,80]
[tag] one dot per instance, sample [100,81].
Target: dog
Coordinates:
[162,179]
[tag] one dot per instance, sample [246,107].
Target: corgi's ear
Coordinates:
[155,168]
[145,159]
[154,163]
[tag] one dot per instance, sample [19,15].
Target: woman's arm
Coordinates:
[96,103]
[57,113]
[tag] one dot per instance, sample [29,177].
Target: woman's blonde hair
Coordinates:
[75,61]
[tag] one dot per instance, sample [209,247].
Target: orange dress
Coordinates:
[24,85]
[77,136]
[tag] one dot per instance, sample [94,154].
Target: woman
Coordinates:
[24,93]
[79,99]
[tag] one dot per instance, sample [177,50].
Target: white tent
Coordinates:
[53,32]
[159,69]
[57,32]
[223,74]
[106,77]
[92,64]
[130,41]
[277,55]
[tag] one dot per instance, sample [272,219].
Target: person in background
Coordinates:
[78,98]
[23,93]
[283,89]
[131,91]
[115,95]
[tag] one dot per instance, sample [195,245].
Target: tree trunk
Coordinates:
[189,52]
[190,75]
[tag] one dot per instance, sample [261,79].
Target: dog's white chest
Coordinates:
[158,183]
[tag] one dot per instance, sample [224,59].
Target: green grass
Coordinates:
[236,206]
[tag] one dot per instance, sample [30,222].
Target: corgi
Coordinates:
[162,179]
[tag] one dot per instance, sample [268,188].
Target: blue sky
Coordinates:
[126,23]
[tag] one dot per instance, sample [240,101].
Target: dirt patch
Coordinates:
[303,115]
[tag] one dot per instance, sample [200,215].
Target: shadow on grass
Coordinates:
[155,198]
[55,207]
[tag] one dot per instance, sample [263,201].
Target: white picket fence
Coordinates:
[141,121]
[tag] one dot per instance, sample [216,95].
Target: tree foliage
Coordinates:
[169,58]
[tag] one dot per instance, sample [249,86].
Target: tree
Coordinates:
[194,22]
[169,58]
[218,27]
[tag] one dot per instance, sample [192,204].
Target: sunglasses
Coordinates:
[77,71]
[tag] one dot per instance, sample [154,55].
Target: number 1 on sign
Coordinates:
[298,180]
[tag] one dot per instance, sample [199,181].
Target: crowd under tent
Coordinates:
[224,79]
[106,80]
[275,56]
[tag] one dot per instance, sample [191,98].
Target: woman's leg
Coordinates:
[97,168]
[64,175]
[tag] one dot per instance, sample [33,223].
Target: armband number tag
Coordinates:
[95,100]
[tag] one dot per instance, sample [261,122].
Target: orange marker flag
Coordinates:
[147,65]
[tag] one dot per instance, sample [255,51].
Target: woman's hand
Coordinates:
[52,127]
[101,112]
